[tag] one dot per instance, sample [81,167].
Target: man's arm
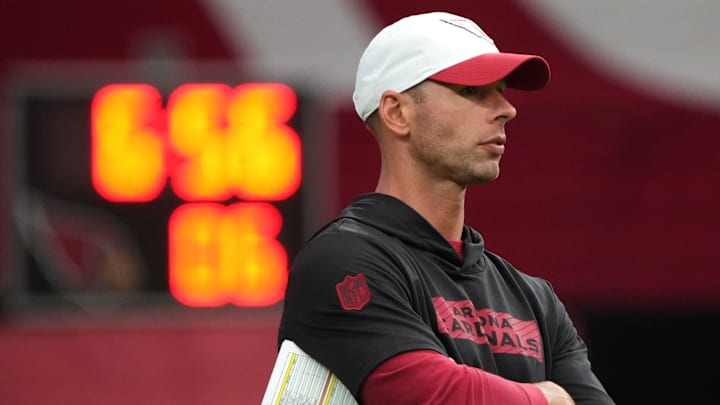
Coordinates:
[428,377]
[571,366]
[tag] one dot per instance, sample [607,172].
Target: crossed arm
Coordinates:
[428,377]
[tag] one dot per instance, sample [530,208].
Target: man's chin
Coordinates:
[486,176]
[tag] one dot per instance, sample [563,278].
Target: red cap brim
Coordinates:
[524,72]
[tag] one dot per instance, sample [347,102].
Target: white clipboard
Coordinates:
[298,379]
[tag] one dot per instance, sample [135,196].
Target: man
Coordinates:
[397,296]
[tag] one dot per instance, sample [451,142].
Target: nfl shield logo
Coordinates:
[353,292]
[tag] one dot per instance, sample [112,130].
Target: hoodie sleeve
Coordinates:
[349,306]
[571,367]
[425,377]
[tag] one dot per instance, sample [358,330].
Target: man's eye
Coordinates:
[481,91]
[470,90]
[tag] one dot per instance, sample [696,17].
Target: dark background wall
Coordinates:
[609,190]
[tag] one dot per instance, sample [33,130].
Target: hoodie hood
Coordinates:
[397,219]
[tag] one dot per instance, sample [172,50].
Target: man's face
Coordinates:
[458,132]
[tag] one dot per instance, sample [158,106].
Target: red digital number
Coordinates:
[234,142]
[221,255]
[226,142]
[128,161]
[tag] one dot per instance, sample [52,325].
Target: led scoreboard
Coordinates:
[192,192]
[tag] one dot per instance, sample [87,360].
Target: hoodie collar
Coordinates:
[397,219]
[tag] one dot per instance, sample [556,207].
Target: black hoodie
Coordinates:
[379,280]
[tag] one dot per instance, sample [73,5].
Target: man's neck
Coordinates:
[442,207]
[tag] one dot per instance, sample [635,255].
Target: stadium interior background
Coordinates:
[609,188]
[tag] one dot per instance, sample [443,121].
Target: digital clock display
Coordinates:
[193,192]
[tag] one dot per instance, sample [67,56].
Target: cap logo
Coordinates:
[469,26]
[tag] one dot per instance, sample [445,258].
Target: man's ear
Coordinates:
[393,112]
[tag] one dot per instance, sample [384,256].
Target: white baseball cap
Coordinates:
[443,47]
